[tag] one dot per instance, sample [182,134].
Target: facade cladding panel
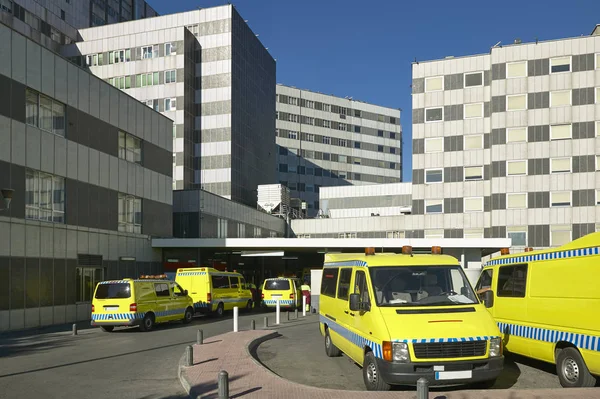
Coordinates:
[81,206]
[538,150]
[324,141]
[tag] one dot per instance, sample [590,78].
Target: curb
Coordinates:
[186,386]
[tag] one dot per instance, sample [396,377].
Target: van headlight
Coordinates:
[400,352]
[495,347]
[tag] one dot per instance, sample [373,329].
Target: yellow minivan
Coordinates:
[547,305]
[214,291]
[285,289]
[406,316]
[142,302]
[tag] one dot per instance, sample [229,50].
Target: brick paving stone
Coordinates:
[248,379]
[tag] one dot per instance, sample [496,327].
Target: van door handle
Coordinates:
[351,314]
[345,311]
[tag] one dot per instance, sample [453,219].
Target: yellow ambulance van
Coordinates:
[142,302]
[406,316]
[285,289]
[214,291]
[547,305]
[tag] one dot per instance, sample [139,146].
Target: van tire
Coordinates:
[330,349]
[372,375]
[147,322]
[107,328]
[572,371]
[189,315]
[220,310]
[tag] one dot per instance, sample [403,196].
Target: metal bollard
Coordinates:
[303,305]
[295,313]
[266,322]
[74,329]
[253,325]
[422,389]
[235,318]
[189,356]
[223,383]
[200,337]
[277,311]
[288,315]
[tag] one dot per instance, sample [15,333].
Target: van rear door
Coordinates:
[114,299]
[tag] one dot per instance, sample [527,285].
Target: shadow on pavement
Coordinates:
[210,390]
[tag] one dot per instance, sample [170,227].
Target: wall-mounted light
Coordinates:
[7,194]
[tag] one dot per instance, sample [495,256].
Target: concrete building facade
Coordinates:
[208,72]
[507,144]
[325,140]
[91,171]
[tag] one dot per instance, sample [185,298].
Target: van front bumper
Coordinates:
[409,373]
[116,323]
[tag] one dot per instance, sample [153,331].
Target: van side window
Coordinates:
[360,286]
[344,284]
[178,290]
[162,289]
[511,281]
[243,283]
[485,280]
[234,282]
[329,282]
[220,281]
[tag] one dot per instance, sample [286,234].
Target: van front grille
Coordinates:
[446,350]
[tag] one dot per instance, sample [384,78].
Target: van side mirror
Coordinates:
[354,302]
[488,298]
[185,292]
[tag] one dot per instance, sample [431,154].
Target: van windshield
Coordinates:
[421,286]
[113,291]
[277,285]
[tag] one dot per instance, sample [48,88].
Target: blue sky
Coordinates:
[364,49]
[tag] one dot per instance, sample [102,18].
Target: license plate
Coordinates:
[453,375]
[276,296]
[111,308]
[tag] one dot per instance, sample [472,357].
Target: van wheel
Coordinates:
[188,316]
[372,376]
[572,371]
[107,328]
[330,349]
[147,323]
[220,310]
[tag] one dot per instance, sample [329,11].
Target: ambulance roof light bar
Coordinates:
[504,251]
[407,250]
[436,250]
[370,251]
[153,277]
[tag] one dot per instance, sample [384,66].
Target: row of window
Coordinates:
[169,103]
[124,55]
[307,120]
[34,22]
[241,230]
[143,79]
[338,142]
[45,201]
[44,112]
[513,168]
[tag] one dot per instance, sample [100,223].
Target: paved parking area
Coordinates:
[299,355]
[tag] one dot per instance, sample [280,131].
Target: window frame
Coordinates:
[597,197]
[341,273]
[441,203]
[508,232]
[336,272]
[562,138]
[472,117]
[553,172]
[126,150]
[518,160]
[561,205]
[471,136]
[473,179]
[513,63]
[432,169]
[515,194]
[513,270]
[53,104]
[171,101]
[56,215]
[562,56]
[172,49]
[516,95]
[596,59]
[435,121]
[431,78]
[473,73]
[473,198]
[130,226]
[515,128]
[175,76]
[562,105]
[552,244]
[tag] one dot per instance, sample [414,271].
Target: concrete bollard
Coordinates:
[295,313]
[200,337]
[235,318]
[277,311]
[303,306]
[422,389]
[223,383]
[288,315]
[266,322]
[253,325]
[189,356]
[74,329]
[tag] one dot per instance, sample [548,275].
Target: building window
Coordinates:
[380,133]
[147,79]
[560,98]
[597,61]
[392,165]
[86,280]
[516,69]
[516,168]
[392,135]
[379,148]
[62,14]
[6,5]
[434,144]
[434,114]
[434,206]
[327,124]
[45,197]
[434,176]
[170,49]
[473,233]
[395,234]
[326,140]
[170,104]
[516,134]
[130,147]
[518,235]
[150,52]
[512,281]
[434,84]
[473,142]
[293,135]
[560,64]
[170,76]
[516,102]
[560,165]
[474,204]
[221,228]
[130,213]
[597,197]
[474,79]
[560,198]
[560,132]
[560,234]
[343,143]
[434,233]
[257,232]
[357,144]
[310,137]
[473,110]
[44,112]
[241,230]
[473,173]
[516,200]
[356,129]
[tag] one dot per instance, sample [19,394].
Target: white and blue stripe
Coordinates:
[185,274]
[116,282]
[273,302]
[444,340]
[202,304]
[354,338]
[117,316]
[582,341]
[572,253]
[361,263]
